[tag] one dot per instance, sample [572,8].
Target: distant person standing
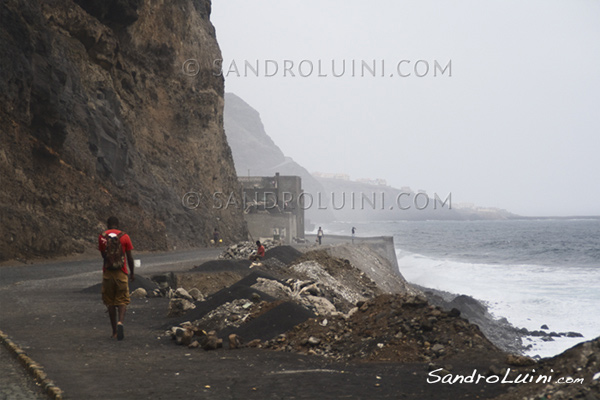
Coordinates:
[320,235]
[353,232]
[216,237]
[115,247]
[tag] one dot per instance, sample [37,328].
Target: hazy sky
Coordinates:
[515,126]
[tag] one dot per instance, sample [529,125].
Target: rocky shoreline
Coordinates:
[499,330]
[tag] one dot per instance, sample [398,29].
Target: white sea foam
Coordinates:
[528,296]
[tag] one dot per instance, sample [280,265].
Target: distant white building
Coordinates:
[376,182]
[465,206]
[328,175]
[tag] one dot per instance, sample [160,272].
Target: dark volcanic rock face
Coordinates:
[98,117]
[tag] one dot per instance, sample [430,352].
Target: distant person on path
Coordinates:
[320,235]
[353,232]
[216,237]
[260,252]
[115,247]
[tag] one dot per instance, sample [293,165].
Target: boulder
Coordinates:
[255,343]
[320,305]
[178,307]
[181,293]
[574,335]
[196,294]
[235,342]
[313,341]
[212,341]
[272,288]
[184,337]
[438,349]
[139,293]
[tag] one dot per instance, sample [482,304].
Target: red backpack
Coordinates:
[115,257]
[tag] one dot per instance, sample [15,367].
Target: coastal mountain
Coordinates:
[333,198]
[111,107]
[254,151]
[256,154]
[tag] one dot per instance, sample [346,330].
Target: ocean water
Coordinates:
[532,272]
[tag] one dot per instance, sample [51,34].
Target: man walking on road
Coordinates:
[115,247]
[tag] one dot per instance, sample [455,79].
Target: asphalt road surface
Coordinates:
[21,284]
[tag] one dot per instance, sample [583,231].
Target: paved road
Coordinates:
[77,272]
[15,384]
[151,263]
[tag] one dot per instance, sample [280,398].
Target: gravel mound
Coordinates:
[274,322]
[223,265]
[239,290]
[397,328]
[285,254]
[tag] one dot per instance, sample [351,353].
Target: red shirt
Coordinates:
[261,251]
[125,243]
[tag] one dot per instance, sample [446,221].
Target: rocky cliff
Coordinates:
[101,115]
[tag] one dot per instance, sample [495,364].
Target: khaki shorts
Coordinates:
[115,288]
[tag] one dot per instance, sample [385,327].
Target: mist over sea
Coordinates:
[532,272]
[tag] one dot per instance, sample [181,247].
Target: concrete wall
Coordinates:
[384,245]
[264,226]
[273,204]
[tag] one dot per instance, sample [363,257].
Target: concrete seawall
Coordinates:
[384,245]
[375,256]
